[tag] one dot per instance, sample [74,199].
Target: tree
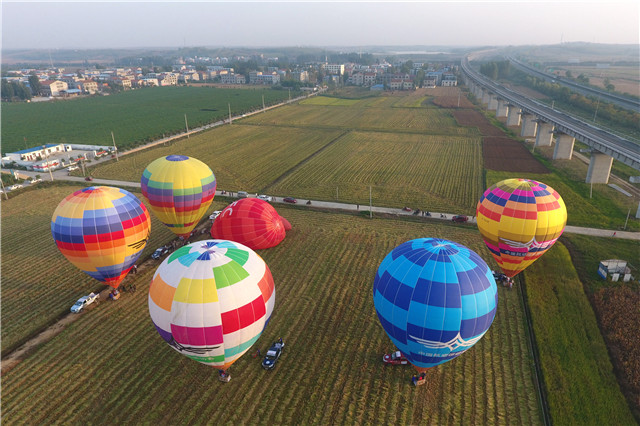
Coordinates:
[34,83]
[7,90]
[568,74]
[607,85]
[582,79]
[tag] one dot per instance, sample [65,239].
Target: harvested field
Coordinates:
[453,102]
[506,154]
[472,118]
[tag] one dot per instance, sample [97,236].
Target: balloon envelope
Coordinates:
[252,222]
[211,300]
[179,190]
[101,230]
[435,299]
[520,219]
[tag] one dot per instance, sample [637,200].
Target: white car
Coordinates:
[215,214]
[72,168]
[264,197]
[14,187]
[34,180]
[84,301]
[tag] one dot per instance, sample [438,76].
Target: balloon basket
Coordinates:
[225,379]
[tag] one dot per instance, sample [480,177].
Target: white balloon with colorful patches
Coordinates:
[211,300]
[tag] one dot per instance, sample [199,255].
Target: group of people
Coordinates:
[418,379]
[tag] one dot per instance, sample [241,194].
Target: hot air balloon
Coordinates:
[211,300]
[252,222]
[520,219]
[102,230]
[435,299]
[179,190]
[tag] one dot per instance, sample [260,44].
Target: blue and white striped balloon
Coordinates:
[435,299]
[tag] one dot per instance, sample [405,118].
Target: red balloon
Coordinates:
[252,222]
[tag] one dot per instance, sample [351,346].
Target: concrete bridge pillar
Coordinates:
[513,115]
[493,102]
[599,168]
[502,109]
[480,93]
[564,147]
[529,125]
[544,135]
[486,96]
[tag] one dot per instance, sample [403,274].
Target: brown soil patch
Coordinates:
[472,118]
[617,309]
[452,102]
[508,155]
[499,152]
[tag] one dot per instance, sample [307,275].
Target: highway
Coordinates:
[617,147]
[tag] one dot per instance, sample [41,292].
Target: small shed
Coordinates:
[615,268]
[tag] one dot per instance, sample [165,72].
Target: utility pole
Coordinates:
[115,149]
[229,113]
[596,113]
[263,108]
[370,204]
[186,125]
[336,193]
[6,196]
[46,154]
[627,220]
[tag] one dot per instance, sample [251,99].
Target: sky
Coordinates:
[127,24]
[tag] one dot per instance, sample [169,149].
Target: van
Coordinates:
[72,168]
[242,194]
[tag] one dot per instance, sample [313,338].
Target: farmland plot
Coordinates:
[410,120]
[427,172]
[133,116]
[38,283]
[330,371]
[241,157]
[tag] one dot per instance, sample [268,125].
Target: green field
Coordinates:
[134,116]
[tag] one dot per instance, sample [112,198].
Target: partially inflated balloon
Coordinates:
[211,300]
[519,220]
[179,190]
[252,222]
[102,230]
[435,299]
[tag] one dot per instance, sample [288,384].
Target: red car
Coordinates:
[460,218]
[289,200]
[395,358]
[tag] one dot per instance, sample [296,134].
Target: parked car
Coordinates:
[214,215]
[161,252]
[289,200]
[84,301]
[273,354]
[35,180]
[88,178]
[243,194]
[395,358]
[460,218]
[264,197]
[72,168]
[16,186]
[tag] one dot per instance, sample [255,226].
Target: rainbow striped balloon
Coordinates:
[435,299]
[179,190]
[520,219]
[102,230]
[252,222]
[211,300]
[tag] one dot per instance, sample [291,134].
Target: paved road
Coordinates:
[388,210]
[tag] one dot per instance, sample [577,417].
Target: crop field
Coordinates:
[133,116]
[110,366]
[402,169]
[241,157]
[580,385]
[364,117]
[37,298]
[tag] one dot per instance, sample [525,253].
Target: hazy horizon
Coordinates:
[132,25]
